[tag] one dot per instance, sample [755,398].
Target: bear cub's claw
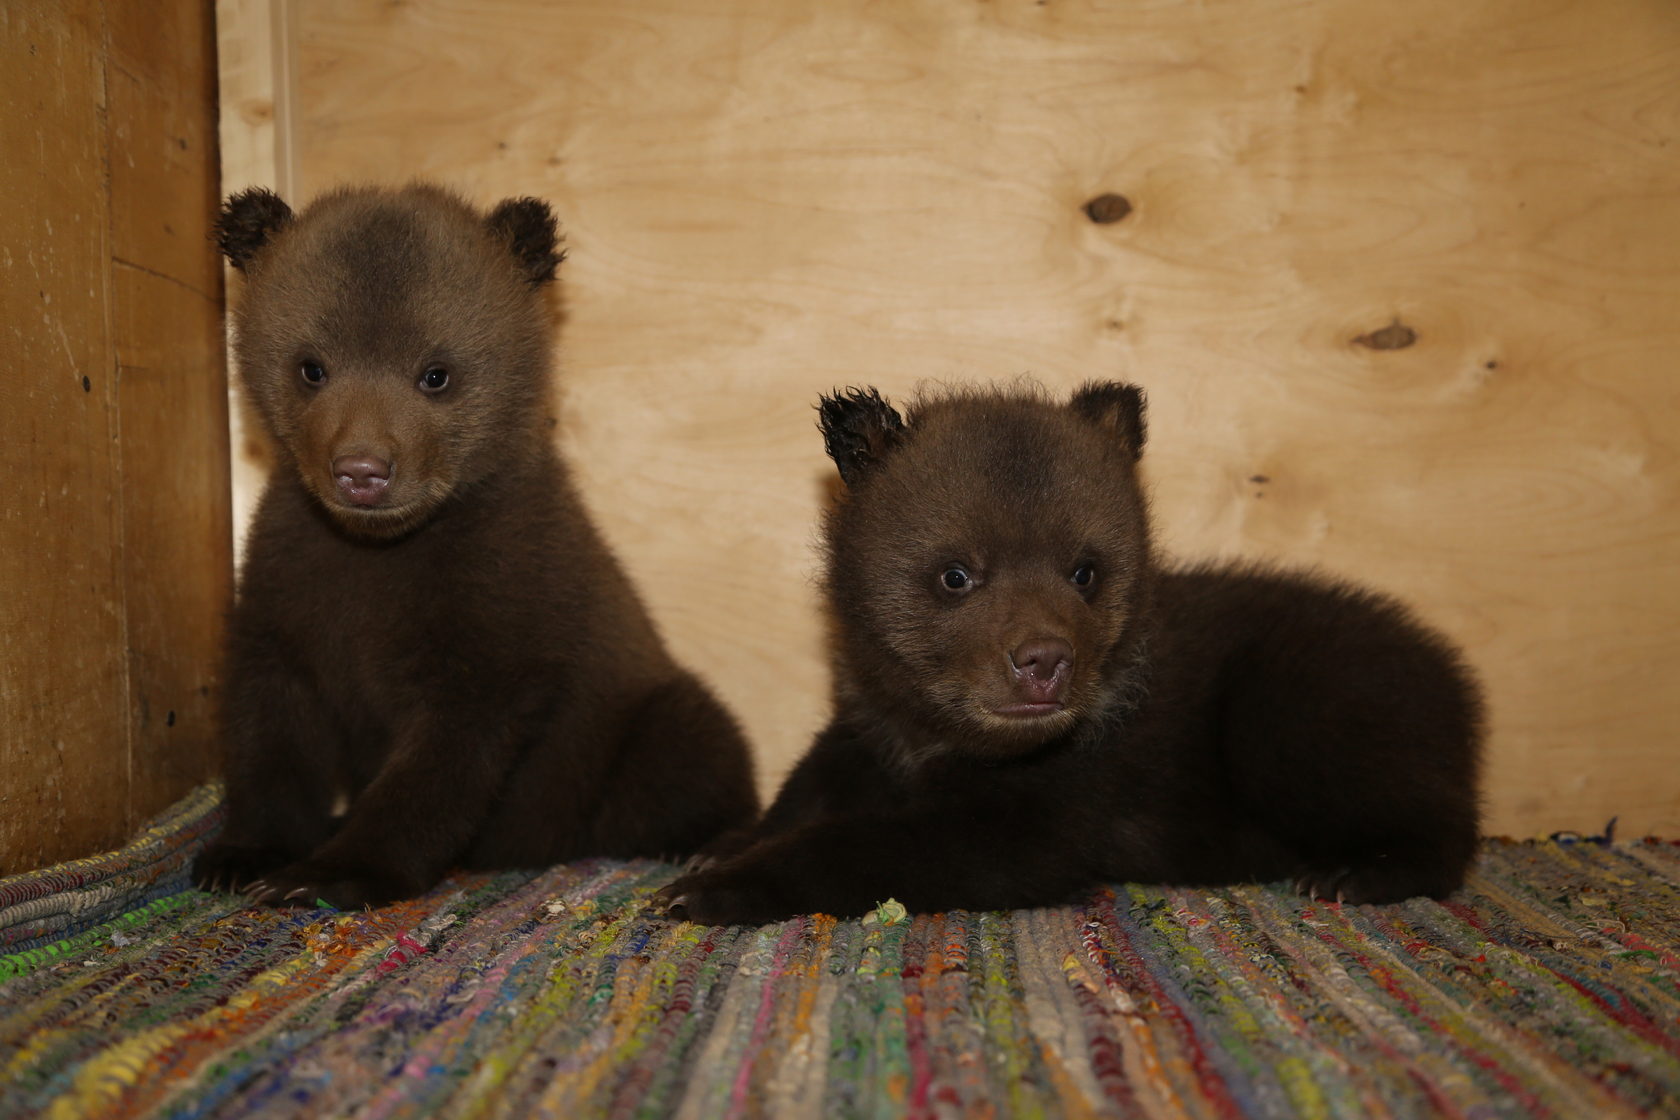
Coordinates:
[722,896]
[233,867]
[310,884]
[1376,883]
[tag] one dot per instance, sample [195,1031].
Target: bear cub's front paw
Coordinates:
[314,883]
[724,895]
[232,867]
[1378,882]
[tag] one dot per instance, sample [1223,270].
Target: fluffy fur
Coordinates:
[1028,704]
[434,660]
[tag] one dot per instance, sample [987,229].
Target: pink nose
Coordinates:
[1042,667]
[362,478]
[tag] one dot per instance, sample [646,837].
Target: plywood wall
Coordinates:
[1403,283]
[114,522]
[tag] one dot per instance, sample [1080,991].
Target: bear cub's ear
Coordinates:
[858,428]
[528,228]
[247,221]
[1115,406]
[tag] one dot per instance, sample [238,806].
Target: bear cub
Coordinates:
[1027,703]
[434,660]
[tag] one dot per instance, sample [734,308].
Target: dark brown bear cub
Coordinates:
[434,661]
[1027,705]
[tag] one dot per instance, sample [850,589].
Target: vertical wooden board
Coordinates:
[254,40]
[163,143]
[63,764]
[177,531]
[172,393]
[255,44]
[765,200]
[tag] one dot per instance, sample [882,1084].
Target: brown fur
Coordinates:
[457,654]
[1027,703]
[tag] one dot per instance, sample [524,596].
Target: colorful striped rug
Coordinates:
[1549,987]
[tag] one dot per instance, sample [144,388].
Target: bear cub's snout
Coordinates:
[1040,668]
[362,479]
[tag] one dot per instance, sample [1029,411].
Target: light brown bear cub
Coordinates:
[1028,702]
[429,631]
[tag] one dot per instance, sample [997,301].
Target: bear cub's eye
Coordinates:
[956,579]
[312,372]
[434,380]
[1084,575]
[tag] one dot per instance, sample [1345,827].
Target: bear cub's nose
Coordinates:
[362,478]
[1041,667]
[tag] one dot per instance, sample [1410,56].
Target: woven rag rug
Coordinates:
[1549,986]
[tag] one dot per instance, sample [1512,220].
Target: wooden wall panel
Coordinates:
[766,199]
[172,390]
[63,770]
[114,557]
[255,46]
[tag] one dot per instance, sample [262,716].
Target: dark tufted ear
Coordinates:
[1115,406]
[528,227]
[858,429]
[247,221]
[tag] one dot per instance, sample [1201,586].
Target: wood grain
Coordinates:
[255,47]
[62,677]
[114,555]
[177,530]
[172,392]
[766,199]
